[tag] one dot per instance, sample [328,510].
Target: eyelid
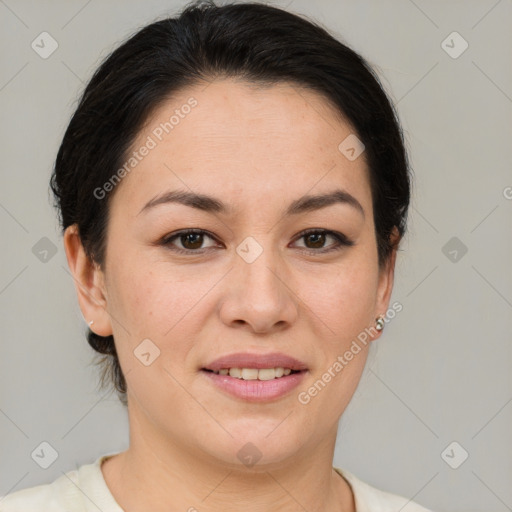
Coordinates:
[335,234]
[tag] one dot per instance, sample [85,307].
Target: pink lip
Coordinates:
[246,360]
[256,390]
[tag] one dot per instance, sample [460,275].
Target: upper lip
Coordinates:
[246,360]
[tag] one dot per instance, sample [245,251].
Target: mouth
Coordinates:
[254,373]
[255,378]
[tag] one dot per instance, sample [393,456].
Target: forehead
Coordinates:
[246,142]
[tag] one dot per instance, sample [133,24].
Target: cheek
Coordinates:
[153,306]
[157,300]
[343,304]
[154,299]
[344,299]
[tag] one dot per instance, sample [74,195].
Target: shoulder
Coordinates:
[371,499]
[57,496]
[73,491]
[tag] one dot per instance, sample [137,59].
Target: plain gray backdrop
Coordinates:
[438,386]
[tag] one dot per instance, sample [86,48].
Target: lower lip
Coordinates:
[256,390]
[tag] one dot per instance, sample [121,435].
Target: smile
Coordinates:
[256,373]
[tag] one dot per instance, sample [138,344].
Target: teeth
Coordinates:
[265,373]
[250,373]
[235,372]
[255,373]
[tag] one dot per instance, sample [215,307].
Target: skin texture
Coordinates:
[257,149]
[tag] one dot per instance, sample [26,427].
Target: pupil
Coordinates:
[320,235]
[192,236]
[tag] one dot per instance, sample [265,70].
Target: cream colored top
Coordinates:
[85,490]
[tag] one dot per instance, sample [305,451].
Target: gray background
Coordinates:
[440,373]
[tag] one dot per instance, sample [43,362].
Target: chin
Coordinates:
[254,444]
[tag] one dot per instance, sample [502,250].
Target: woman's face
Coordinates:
[250,288]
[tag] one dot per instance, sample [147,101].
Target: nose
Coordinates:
[259,296]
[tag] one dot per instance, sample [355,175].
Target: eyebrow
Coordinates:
[211,204]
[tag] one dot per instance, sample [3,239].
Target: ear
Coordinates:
[386,279]
[89,283]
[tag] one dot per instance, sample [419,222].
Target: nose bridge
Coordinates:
[259,297]
[258,262]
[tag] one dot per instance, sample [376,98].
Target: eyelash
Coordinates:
[342,241]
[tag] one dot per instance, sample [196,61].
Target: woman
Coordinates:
[232,188]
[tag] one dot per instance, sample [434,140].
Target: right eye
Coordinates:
[190,239]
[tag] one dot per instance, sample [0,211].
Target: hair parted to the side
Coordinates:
[250,41]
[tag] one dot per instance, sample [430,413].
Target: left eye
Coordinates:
[318,236]
[192,240]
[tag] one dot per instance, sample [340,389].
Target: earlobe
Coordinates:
[89,283]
